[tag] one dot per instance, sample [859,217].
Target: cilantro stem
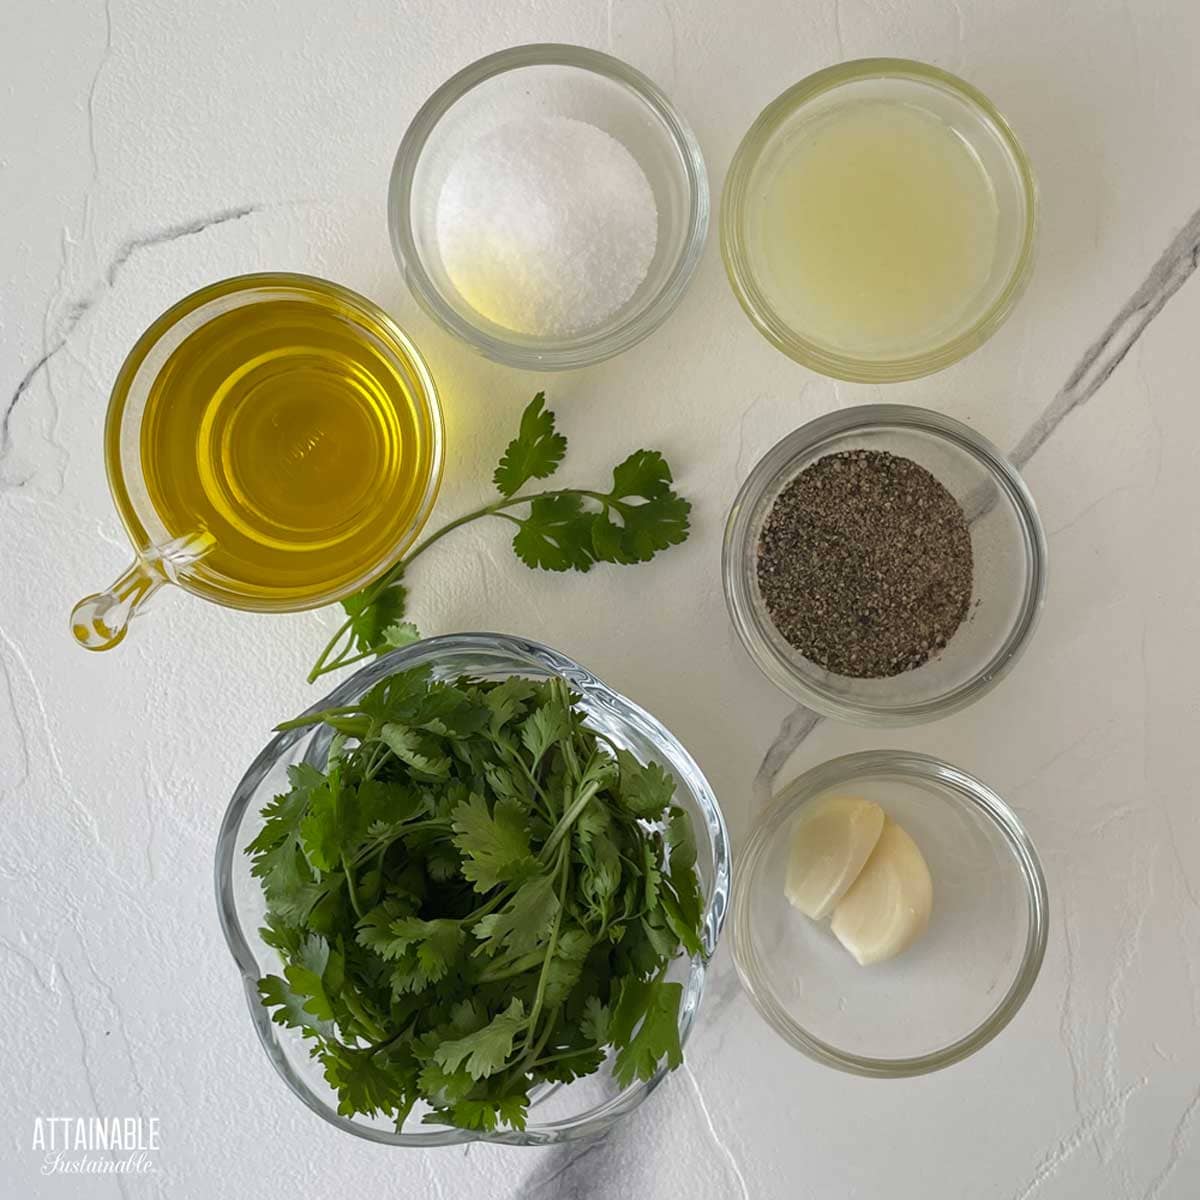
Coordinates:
[319,667]
[496,508]
[569,818]
[381,843]
[530,1056]
[484,909]
[326,661]
[518,758]
[378,758]
[344,661]
[545,1059]
[604,737]
[351,889]
[518,967]
[563,867]
[562,693]
[340,719]
[358,1010]
[383,1045]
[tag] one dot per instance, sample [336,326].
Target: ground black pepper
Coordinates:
[864,563]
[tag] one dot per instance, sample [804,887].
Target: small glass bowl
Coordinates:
[537,81]
[585,1108]
[1007,543]
[950,992]
[974,119]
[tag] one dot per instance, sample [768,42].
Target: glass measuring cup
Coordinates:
[273,443]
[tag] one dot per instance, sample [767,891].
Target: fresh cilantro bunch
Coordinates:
[479,894]
[565,529]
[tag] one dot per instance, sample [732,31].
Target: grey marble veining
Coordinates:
[1173,268]
[82,306]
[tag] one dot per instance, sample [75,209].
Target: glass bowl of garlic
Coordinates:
[889,914]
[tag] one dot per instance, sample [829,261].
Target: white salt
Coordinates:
[547,226]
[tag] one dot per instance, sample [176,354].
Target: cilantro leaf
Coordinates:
[513,1109]
[681,840]
[557,534]
[659,932]
[452,713]
[645,529]
[534,453]
[495,844]
[601,874]
[657,1036]
[643,474]
[416,750]
[507,701]
[282,816]
[399,697]
[658,522]
[575,1065]
[276,854]
[375,810]
[423,950]
[651,874]
[543,728]
[400,633]
[640,516]
[681,903]
[645,789]
[319,833]
[524,922]
[301,995]
[595,1021]
[374,931]
[485,1115]
[289,885]
[442,1087]
[565,968]
[372,616]
[366,1082]
[485,1051]
[290,1007]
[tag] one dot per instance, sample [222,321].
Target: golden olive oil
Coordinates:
[877,229]
[288,434]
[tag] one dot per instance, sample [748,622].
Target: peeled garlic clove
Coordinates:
[887,907]
[831,840]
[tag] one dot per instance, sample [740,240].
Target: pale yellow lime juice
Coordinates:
[876,228]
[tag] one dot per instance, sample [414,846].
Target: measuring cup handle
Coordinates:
[99,622]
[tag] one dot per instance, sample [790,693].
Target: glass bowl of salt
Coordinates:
[548,206]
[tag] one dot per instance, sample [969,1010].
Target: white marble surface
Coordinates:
[149,147]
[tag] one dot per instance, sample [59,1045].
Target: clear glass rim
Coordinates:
[567,353]
[733,241]
[973,794]
[268,282]
[739,589]
[535,656]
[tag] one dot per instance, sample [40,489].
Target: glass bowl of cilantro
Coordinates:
[472,894]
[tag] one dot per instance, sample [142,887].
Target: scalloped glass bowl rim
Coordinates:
[534,656]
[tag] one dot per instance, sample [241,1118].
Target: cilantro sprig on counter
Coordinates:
[478,895]
[562,529]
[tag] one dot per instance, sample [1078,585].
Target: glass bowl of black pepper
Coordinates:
[884,565]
